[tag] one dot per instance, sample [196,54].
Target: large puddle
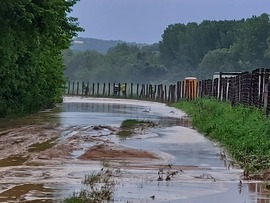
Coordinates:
[206,177]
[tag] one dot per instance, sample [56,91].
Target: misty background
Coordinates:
[166,41]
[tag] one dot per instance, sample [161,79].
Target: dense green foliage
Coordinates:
[33,35]
[243,131]
[185,50]
[201,49]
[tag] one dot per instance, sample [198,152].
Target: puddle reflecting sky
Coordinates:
[110,114]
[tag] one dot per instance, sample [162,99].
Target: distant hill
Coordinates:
[99,45]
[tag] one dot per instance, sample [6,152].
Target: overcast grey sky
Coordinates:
[144,21]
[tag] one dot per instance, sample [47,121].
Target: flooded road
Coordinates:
[41,156]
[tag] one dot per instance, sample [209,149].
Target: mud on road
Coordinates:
[46,162]
[35,154]
[40,144]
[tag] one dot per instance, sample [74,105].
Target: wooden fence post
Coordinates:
[131,90]
[68,88]
[125,93]
[97,94]
[161,93]
[78,86]
[178,91]
[83,88]
[103,92]
[165,93]
[109,89]
[169,94]
[137,90]
[147,91]
[73,88]
[87,89]
[119,89]
[93,89]
[155,92]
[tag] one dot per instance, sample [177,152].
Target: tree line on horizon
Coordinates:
[80,44]
[190,49]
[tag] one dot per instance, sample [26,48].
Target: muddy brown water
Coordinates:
[53,178]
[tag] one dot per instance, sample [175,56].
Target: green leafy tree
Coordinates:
[218,60]
[267,51]
[169,46]
[251,41]
[122,63]
[187,49]
[85,62]
[33,35]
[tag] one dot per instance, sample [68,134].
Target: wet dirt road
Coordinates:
[42,156]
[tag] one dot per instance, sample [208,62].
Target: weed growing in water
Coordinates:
[105,164]
[168,171]
[130,127]
[97,187]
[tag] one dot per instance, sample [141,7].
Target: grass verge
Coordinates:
[243,131]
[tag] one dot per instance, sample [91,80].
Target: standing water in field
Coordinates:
[50,167]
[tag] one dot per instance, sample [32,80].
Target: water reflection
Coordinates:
[201,152]
[259,192]
[114,114]
[174,136]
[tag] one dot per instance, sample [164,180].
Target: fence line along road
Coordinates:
[248,88]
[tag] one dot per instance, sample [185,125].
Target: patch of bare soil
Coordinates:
[113,152]
[58,151]
[17,141]
[48,144]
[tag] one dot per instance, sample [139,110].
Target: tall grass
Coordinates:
[243,131]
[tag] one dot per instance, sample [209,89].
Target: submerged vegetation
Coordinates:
[97,187]
[38,147]
[100,186]
[243,131]
[131,126]
[133,123]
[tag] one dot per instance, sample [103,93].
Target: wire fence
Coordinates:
[247,88]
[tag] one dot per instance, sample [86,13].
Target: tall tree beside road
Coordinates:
[33,35]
